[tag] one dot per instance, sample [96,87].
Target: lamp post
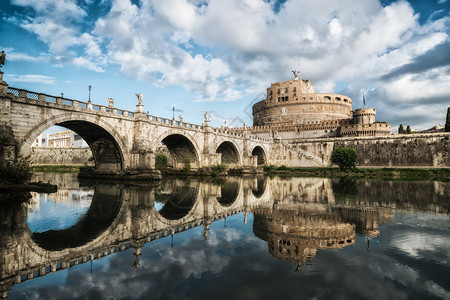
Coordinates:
[89,101]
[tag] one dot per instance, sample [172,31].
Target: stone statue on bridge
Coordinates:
[2,59]
[181,118]
[207,116]
[139,96]
[110,102]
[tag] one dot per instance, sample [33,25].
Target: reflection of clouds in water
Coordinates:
[48,212]
[238,266]
[423,247]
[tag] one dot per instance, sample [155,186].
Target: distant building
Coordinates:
[434,129]
[64,139]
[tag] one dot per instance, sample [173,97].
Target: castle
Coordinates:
[293,110]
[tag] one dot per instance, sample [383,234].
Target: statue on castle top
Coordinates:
[139,97]
[181,118]
[110,102]
[2,59]
[296,74]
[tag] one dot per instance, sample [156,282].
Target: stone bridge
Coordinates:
[121,139]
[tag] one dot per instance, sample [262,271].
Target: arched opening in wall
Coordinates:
[174,201]
[258,151]
[182,152]
[60,232]
[106,152]
[60,145]
[260,187]
[230,155]
[228,193]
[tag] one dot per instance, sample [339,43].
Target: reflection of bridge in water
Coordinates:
[295,216]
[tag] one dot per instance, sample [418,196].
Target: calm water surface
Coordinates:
[243,238]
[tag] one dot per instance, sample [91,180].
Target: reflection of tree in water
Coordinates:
[345,186]
[261,182]
[229,193]
[177,203]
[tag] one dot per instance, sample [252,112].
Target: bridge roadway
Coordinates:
[121,139]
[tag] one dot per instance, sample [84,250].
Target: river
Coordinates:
[239,238]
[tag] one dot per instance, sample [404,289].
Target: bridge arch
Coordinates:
[182,149]
[178,203]
[106,206]
[261,155]
[229,192]
[230,153]
[107,145]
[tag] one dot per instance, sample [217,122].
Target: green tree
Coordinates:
[345,157]
[447,123]
[15,171]
[161,161]
[401,129]
[187,165]
[408,129]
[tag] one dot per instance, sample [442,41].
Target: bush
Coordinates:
[16,171]
[187,165]
[269,169]
[345,157]
[160,161]
[217,169]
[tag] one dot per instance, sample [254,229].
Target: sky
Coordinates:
[221,56]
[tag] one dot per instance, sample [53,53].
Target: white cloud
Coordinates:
[222,50]
[31,78]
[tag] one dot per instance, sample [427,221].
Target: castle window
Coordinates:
[326,98]
[271,92]
[345,100]
[287,89]
[338,99]
[295,89]
[278,91]
[295,94]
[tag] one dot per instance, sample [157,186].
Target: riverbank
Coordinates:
[442,174]
[57,168]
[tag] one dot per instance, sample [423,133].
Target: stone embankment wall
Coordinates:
[61,156]
[410,150]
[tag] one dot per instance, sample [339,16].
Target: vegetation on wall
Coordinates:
[187,165]
[345,157]
[15,171]
[161,161]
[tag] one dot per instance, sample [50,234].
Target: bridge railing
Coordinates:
[173,122]
[68,102]
[76,104]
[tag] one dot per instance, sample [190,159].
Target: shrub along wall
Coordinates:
[409,150]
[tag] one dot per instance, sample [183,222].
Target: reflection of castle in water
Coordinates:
[296,217]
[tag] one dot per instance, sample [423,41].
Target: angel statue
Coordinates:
[139,96]
[2,58]
[296,74]
[207,116]
[110,102]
